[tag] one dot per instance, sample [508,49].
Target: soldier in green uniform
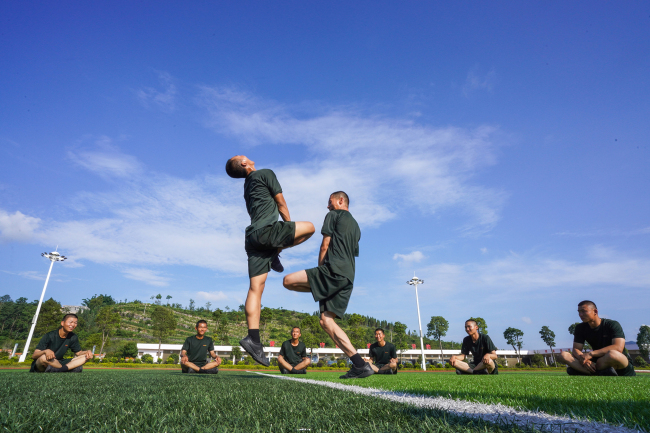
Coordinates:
[293,357]
[265,238]
[48,356]
[194,352]
[482,349]
[608,357]
[383,355]
[331,282]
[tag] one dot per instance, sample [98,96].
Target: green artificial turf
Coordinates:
[166,401]
[615,400]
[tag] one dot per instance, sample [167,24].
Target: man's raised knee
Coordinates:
[308,361]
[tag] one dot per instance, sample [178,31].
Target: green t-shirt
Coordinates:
[600,336]
[382,355]
[197,350]
[293,354]
[479,348]
[53,341]
[344,245]
[259,189]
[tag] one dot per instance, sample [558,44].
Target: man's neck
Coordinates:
[474,336]
[295,342]
[199,336]
[595,323]
[381,343]
[63,333]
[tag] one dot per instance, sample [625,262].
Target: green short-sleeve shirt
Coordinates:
[344,244]
[259,189]
[293,354]
[600,336]
[60,346]
[478,348]
[382,355]
[197,350]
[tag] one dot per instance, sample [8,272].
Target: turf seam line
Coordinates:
[494,413]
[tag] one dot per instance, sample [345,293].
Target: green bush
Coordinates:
[537,360]
[172,359]
[136,361]
[501,362]
[147,359]
[640,362]
[5,355]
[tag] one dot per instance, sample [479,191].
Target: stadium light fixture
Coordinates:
[415,281]
[54,257]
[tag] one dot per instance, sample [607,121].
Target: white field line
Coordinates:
[495,413]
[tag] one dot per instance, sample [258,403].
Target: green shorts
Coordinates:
[262,245]
[627,371]
[330,290]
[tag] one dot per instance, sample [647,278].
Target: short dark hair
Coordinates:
[382,331]
[473,321]
[339,194]
[199,322]
[234,169]
[70,315]
[296,327]
[588,303]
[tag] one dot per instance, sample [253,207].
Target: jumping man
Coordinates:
[331,282]
[48,356]
[265,238]
[293,357]
[194,352]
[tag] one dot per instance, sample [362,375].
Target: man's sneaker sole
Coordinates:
[276,265]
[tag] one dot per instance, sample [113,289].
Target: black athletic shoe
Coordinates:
[573,372]
[303,371]
[255,350]
[358,372]
[276,265]
[607,372]
[284,371]
[77,369]
[214,370]
[484,371]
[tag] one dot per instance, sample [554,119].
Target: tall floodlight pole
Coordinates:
[414,282]
[54,257]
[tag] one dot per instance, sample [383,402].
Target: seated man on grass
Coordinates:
[383,356]
[194,352]
[48,356]
[482,349]
[293,357]
[609,356]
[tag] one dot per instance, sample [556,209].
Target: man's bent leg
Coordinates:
[336,333]
[210,365]
[304,230]
[254,300]
[303,364]
[284,364]
[191,366]
[481,366]
[570,361]
[77,361]
[42,363]
[297,282]
[463,367]
[614,359]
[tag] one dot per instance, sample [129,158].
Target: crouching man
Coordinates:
[293,357]
[482,349]
[194,352]
[383,356]
[605,336]
[48,356]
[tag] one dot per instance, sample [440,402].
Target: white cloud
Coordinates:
[484,250]
[106,160]
[527,320]
[33,275]
[17,226]
[385,164]
[146,276]
[477,81]
[414,257]
[165,99]
[212,296]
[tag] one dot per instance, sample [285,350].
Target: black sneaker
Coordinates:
[214,370]
[573,372]
[303,371]
[484,371]
[284,371]
[358,372]
[255,350]
[276,265]
[607,372]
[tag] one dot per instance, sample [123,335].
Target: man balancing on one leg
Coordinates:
[194,352]
[608,357]
[293,357]
[48,356]
[265,238]
[331,282]
[481,347]
[383,354]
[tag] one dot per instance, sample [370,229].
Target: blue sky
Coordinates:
[499,151]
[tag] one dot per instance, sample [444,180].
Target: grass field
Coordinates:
[166,401]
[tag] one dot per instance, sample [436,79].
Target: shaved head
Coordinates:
[340,194]
[234,168]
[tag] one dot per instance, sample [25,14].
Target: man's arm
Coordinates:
[184,356]
[282,207]
[618,344]
[323,249]
[216,357]
[88,353]
[583,358]
[488,356]
[49,354]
